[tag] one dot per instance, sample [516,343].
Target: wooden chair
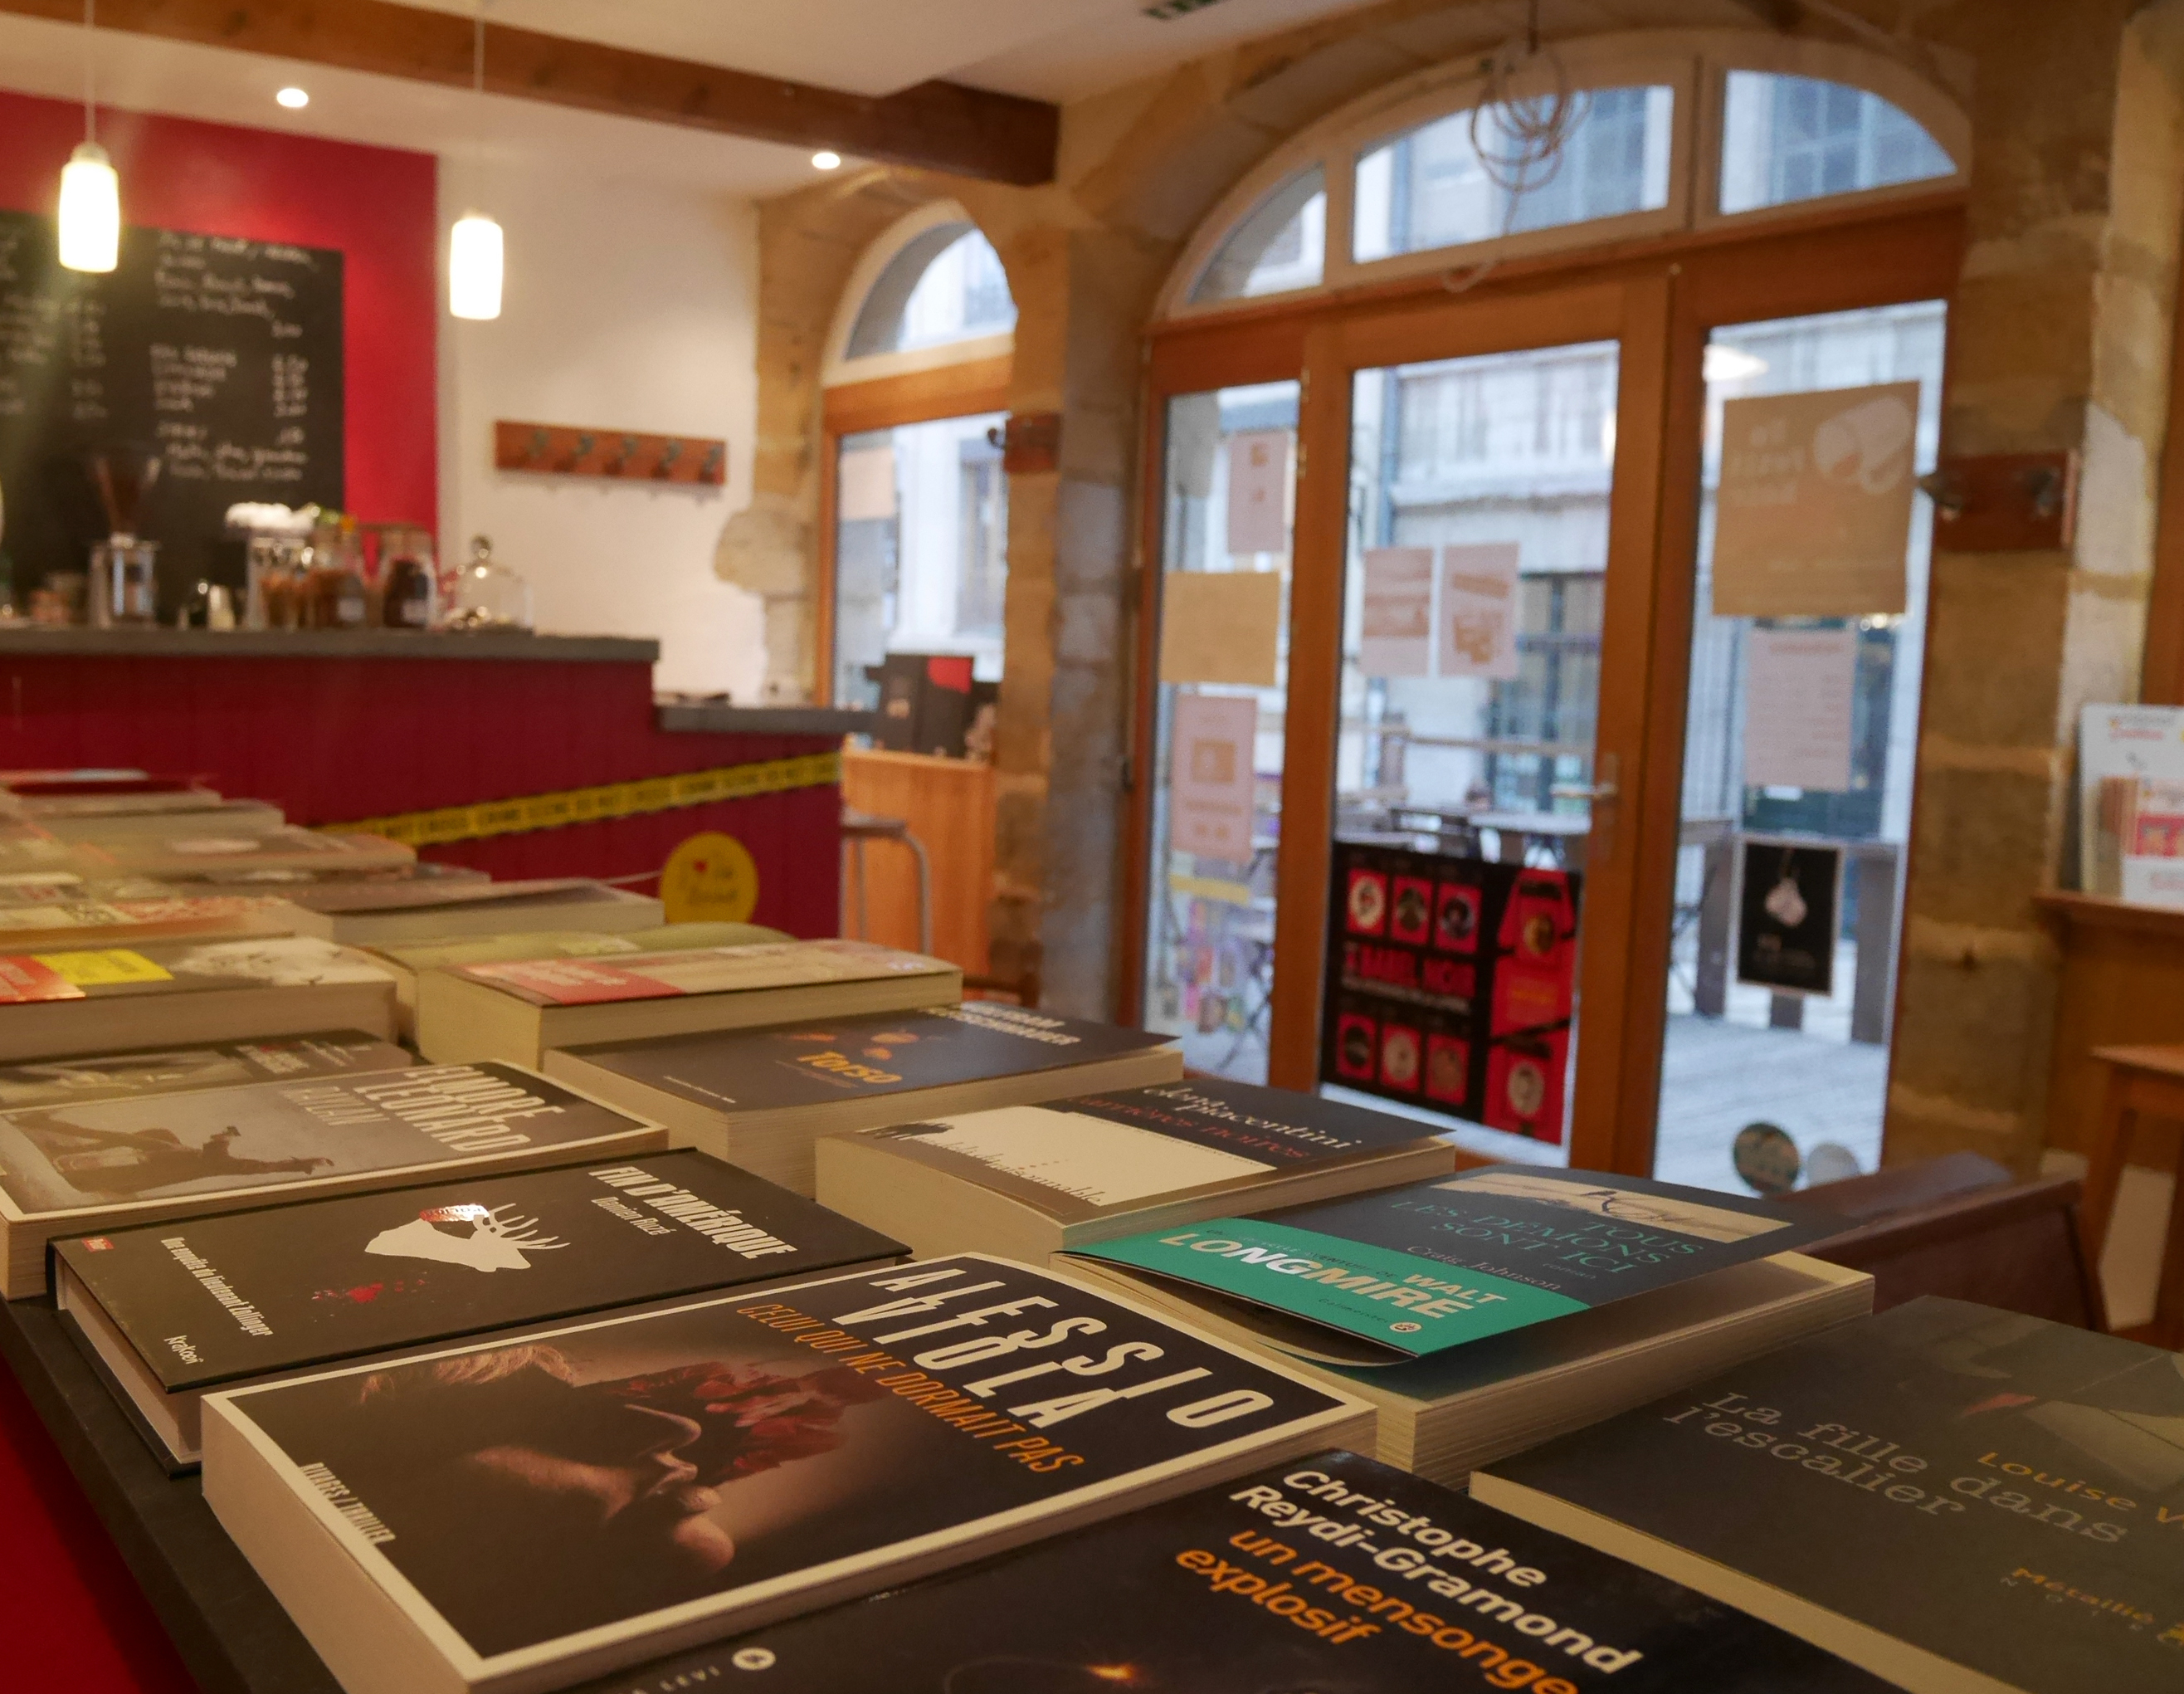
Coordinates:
[2142,1083]
[1959,1226]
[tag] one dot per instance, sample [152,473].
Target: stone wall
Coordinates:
[2059,339]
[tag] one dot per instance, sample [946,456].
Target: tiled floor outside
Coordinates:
[1719,1074]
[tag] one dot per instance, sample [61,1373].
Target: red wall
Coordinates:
[376,205]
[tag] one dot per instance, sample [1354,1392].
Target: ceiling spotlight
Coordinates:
[826,161]
[295,99]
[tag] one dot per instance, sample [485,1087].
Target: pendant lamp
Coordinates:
[90,191]
[474,245]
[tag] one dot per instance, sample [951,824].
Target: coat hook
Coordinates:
[1945,492]
[537,451]
[668,455]
[709,472]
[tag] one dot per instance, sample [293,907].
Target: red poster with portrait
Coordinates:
[1451,985]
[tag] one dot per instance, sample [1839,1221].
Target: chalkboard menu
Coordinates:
[221,356]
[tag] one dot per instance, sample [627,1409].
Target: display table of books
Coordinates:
[625,1312]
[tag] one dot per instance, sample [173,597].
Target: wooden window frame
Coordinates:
[1661,298]
[2161,673]
[947,391]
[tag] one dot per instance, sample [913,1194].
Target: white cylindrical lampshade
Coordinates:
[474,265]
[91,211]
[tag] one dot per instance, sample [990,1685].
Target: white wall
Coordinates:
[629,306]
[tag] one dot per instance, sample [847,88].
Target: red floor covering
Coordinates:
[71,1616]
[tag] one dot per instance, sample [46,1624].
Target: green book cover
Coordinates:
[1416,1270]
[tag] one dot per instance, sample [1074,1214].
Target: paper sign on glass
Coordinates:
[1479,610]
[1259,491]
[1209,781]
[1396,639]
[1814,511]
[1798,686]
[1221,626]
[865,487]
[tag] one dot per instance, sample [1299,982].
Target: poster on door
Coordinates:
[1397,635]
[1789,910]
[1477,626]
[1813,514]
[1799,687]
[1211,784]
[1259,491]
[1450,985]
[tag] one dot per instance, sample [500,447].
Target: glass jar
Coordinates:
[489,594]
[125,583]
[409,595]
[334,594]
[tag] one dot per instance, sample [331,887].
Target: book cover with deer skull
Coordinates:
[218,1300]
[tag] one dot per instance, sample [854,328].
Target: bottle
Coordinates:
[407,594]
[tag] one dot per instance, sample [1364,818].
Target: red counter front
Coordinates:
[337,729]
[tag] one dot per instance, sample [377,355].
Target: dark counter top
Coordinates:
[25,640]
[735,720]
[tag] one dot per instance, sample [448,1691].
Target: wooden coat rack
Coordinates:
[566,450]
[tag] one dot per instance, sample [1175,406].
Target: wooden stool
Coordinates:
[2143,1082]
[859,828]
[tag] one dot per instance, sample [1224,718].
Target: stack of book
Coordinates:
[1953,1497]
[689,1304]
[1483,1313]
[765,1097]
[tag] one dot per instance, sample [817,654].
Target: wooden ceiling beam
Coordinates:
[937,126]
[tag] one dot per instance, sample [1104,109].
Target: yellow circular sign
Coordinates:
[710,878]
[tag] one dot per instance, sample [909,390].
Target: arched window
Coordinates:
[946,285]
[1665,130]
[916,565]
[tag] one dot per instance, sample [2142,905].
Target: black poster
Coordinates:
[1449,984]
[1789,910]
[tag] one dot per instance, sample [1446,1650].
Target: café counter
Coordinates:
[522,755]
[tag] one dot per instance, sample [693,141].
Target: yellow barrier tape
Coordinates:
[1218,890]
[592,806]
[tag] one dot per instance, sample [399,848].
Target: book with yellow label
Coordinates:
[99,1000]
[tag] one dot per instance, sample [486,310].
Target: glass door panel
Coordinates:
[1800,744]
[920,550]
[1476,567]
[1221,706]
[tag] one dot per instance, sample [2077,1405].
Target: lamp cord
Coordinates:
[90,88]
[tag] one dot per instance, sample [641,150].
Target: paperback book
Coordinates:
[405,960]
[86,1170]
[517,1011]
[176,1070]
[1956,1498]
[124,821]
[95,1000]
[518,1516]
[288,847]
[1032,1180]
[64,912]
[1406,1272]
[376,914]
[761,1097]
[333,1282]
[1336,1573]
[54,797]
